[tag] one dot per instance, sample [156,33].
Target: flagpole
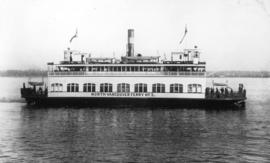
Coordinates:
[185,44]
[75,36]
[183,37]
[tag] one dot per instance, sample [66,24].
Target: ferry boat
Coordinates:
[133,79]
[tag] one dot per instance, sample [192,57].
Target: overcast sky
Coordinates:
[232,34]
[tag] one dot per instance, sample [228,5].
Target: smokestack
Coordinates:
[130,44]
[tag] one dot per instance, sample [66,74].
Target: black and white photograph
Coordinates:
[134,81]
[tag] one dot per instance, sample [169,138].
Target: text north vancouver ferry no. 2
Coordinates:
[132,80]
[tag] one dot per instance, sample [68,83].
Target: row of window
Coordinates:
[135,69]
[125,87]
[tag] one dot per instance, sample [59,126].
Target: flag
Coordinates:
[76,35]
[186,29]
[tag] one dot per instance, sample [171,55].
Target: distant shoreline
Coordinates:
[210,74]
[23,73]
[239,74]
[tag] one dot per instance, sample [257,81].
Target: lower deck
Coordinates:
[133,87]
[162,91]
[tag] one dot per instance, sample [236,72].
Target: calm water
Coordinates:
[29,134]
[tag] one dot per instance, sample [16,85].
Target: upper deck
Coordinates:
[186,63]
[127,69]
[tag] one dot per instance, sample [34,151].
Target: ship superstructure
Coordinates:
[134,76]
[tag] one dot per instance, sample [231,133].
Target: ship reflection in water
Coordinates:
[132,135]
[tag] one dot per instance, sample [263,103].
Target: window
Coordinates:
[56,87]
[105,87]
[199,88]
[123,87]
[194,88]
[140,87]
[158,88]
[190,88]
[72,87]
[89,87]
[176,88]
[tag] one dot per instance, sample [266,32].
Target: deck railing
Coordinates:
[87,73]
